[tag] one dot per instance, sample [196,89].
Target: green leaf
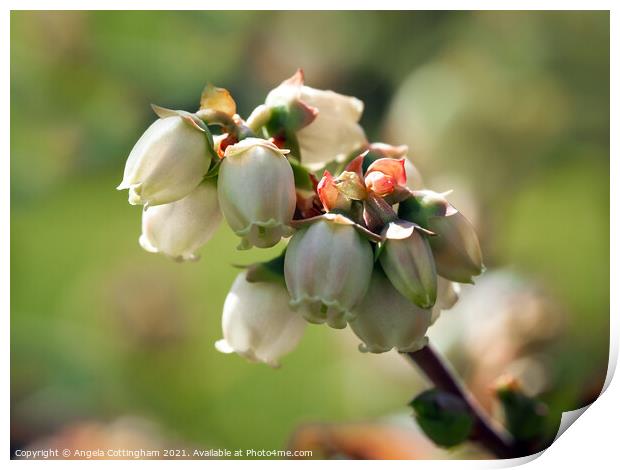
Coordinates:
[443,417]
[525,416]
[268,271]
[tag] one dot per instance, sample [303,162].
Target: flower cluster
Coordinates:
[368,246]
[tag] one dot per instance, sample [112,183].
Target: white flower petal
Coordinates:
[180,228]
[166,164]
[258,323]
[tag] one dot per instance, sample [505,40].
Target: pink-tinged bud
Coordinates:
[455,247]
[327,270]
[386,320]
[179,229]
[408,262]
[258,323]
[379,183]
[447,295]
[167,162]
[391,167]
[256,191]
[330,196]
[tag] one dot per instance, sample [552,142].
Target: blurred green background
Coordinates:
[509,109]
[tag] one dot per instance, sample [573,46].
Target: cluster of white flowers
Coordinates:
[368,248]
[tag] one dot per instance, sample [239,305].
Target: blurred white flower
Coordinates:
[167,162]
[258,323]
[335,131]
[256,190]
[180,228]
[447,296]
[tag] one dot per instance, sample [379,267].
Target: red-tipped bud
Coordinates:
[379,183]
[391,167]
[330,196]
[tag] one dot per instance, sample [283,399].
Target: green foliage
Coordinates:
[268,271]
[444,417]
[525,417]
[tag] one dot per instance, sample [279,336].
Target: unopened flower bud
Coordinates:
[379,183]
[327,269]
[335,131]
[386,320]
[258,323]
[167,162]
[256,190]
[455,247]
[380,150]
[330,195]
[408,262]
[180,228]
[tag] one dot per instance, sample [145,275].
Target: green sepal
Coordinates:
[379,247]
[267,271]
[410,209]
[444,417]
[301,175]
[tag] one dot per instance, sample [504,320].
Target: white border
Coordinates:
[591,442]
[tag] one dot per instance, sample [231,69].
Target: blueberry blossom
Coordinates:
[167,162]
[258,323]
[256,191]
[334,133]
[327,270]
[178,229]
[386,320]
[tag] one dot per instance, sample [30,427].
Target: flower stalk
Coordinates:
[485,432]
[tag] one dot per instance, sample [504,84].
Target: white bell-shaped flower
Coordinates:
[256,190]
[258,323]
[167,162]
[327,270]
[386,320]
[334,133]
[180,228]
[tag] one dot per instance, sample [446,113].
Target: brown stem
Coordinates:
[484,432]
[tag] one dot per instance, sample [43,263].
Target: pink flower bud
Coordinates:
[379,183]
[391,167]
[330,196]
[327,269]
